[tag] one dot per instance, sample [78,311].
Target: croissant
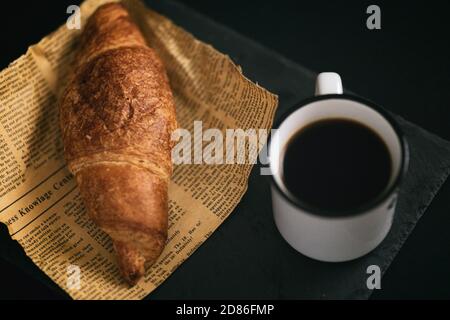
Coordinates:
[116,117]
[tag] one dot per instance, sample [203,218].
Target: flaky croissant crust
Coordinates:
[116,117]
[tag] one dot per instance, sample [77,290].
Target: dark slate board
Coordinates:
[246,257]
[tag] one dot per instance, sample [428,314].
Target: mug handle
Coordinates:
[328,83]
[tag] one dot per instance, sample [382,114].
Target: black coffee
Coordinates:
[336,165]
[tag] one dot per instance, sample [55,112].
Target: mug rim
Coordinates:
[366,208]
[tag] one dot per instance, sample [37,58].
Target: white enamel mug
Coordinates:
[310,230]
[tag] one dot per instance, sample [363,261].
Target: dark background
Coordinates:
[405,67]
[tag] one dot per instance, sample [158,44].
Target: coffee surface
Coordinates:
[336,165]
